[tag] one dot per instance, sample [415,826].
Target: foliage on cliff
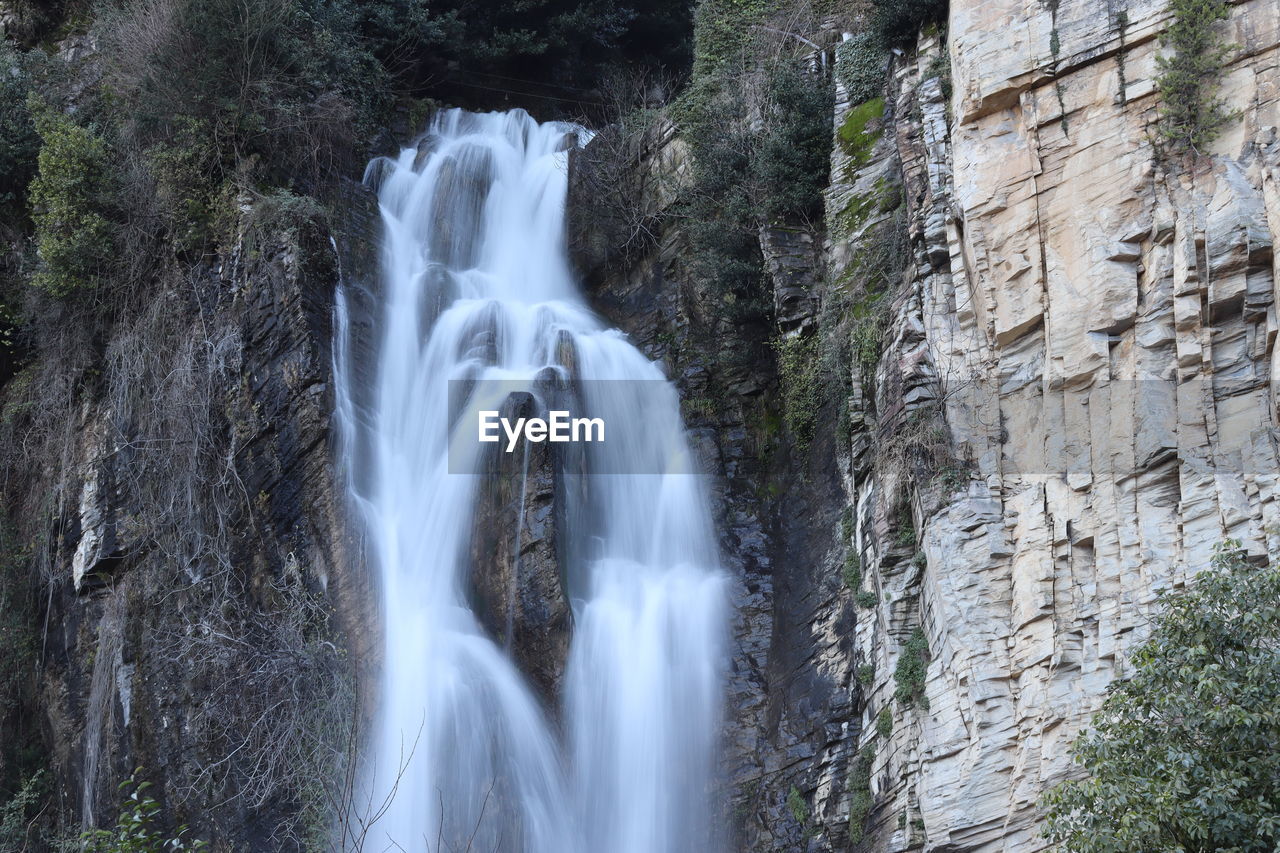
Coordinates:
[756,167]
[1191,114]
[137,829]
[1182,755]
[74,204]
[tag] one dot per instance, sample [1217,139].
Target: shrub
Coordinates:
[136,830]
[861,63]
[884,722]
[792,160]
[798,368]
[21,811]
[866,599]
[866,673]
[74,203]
[723,233]
[899,21]
[860,792]
[797,806]
[1191,115]
[1182,754]
[852,574]
[19,141]
[909,674]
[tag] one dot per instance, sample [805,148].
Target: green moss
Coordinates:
[860,130]
[884,197]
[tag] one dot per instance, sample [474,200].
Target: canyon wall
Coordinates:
[1070,407]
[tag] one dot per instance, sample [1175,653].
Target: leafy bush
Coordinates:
[852,574]
[866,599]
[909,674]
[860,792]
[136,830]
[899,21]
[884,722]
[792,159]
[861,62]
[797,806]
[75,204]
[18,139]
[1182,754]
[866,673]
[1191,115]
[798,370]
[20,811]
[718,202]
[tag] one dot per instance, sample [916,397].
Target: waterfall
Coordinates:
[476,285]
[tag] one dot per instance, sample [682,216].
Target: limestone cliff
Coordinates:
[1069,405]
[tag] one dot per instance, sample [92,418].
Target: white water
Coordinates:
[476,284]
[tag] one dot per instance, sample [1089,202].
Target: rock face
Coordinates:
[207,600]
[516,580]
[1097,322]
[1070,408]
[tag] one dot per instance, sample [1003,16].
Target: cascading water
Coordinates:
[476,285]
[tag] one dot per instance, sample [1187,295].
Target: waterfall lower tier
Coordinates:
[476,287]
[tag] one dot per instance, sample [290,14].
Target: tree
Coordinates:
[1182,755]
[1191,114]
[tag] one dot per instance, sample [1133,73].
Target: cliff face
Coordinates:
[1071,406]
[208,603]
[1101,334]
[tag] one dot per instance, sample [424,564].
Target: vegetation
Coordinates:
[752,171]
[18,139]
[797,806]
[866,673]
[900,21]
[75,205]
[909,674]
[798,368]
[793,154]
[1191,114]
[860,793]
[884,722]
[1182,754]
[852,574]
[137,830]
[20,813]
[866,599]
[861,62]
